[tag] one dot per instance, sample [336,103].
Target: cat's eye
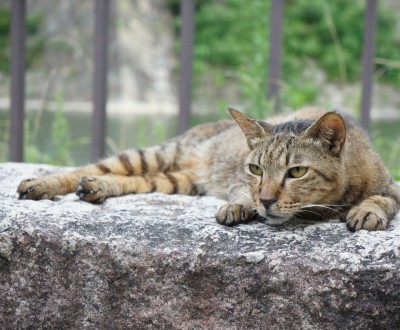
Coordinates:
[297,172]
[256,170]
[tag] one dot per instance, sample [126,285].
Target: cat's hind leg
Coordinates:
[167,157]
[95,189]
[47,187]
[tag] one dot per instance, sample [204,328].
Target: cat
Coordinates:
[308,164]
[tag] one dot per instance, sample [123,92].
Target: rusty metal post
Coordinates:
[185,88]
[100,78]
[18,35]
[275,52]
[368,62]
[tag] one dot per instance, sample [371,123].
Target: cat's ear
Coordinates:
[254,131]
[329,129]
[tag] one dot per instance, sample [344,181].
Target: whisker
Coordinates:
[324,204]
[320,206]
[330,207]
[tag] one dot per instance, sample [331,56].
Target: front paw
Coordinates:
[90,189]
[233,214]
[366,218]
[35,189]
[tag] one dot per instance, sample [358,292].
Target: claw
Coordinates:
[23,196]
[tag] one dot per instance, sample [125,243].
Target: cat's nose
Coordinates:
[268,202]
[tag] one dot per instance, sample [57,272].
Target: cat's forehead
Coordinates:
[284,149]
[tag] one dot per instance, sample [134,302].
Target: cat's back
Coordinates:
[225,137]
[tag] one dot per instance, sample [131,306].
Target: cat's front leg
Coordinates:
[240,209]
[233,214]
[375,212]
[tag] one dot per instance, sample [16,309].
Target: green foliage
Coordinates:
[4,39]
[60,135]
[231,46]
[61,141]
[331,34]
[387,141]
[150,131]
[35,42]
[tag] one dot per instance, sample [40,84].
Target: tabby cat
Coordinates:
[310,164]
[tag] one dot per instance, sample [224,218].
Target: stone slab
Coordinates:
[162,262]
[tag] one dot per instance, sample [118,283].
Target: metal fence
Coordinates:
[101,12]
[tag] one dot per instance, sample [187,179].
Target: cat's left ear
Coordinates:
[254,130]
[329,129]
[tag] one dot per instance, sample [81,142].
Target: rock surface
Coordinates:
[157,261]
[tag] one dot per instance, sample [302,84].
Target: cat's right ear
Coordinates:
[331,130]
[254,131]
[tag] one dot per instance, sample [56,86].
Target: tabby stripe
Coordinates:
[261,157]
[287,150]
[287,159]
[174,183]
[103,168]
[178,153]
[324,176]
[193,187]
[280,152]
[143,162]
[241,216]
[160,162]
[153,185]
[124,159]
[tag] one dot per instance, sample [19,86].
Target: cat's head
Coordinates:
[294,166]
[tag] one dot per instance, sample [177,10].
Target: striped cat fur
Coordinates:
[308,164]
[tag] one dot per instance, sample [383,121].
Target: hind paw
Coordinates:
[91,189]
[35,189]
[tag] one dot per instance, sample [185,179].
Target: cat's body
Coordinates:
[308,164]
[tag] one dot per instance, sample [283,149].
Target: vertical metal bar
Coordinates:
[100,79]
[368,62]
[185,88]
[18,34]
[275,50]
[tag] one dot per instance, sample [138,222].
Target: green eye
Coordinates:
[297,172]
[255,169]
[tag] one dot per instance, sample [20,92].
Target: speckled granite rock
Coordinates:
[157,261]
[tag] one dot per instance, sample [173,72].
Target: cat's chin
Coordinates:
[274,220]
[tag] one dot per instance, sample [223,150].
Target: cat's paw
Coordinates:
[233,214]
[91,189]
[366,218]
[36,189]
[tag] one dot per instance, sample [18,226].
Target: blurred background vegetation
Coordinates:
[322,45]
